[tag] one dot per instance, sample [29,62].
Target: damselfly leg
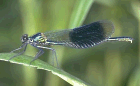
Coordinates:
[20,52]
[37,55]
[18,48]
[53,52]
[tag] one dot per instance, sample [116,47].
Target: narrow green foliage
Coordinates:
[25,60]
[79,13]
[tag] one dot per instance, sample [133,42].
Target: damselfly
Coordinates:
[81,37]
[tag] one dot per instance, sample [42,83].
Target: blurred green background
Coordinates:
[108,64]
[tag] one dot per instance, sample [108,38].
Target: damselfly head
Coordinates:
[24,38]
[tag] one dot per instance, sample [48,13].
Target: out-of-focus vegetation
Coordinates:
[108,64]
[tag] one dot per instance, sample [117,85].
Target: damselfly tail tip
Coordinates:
[127,39]
[131,39]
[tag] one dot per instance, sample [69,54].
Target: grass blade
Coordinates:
[25,60]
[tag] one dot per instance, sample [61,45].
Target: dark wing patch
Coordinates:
[92,34]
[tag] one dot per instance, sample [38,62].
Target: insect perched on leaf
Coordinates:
[81,37]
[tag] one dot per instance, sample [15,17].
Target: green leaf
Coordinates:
[25,60]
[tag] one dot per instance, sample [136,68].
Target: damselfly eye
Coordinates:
[24,38]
